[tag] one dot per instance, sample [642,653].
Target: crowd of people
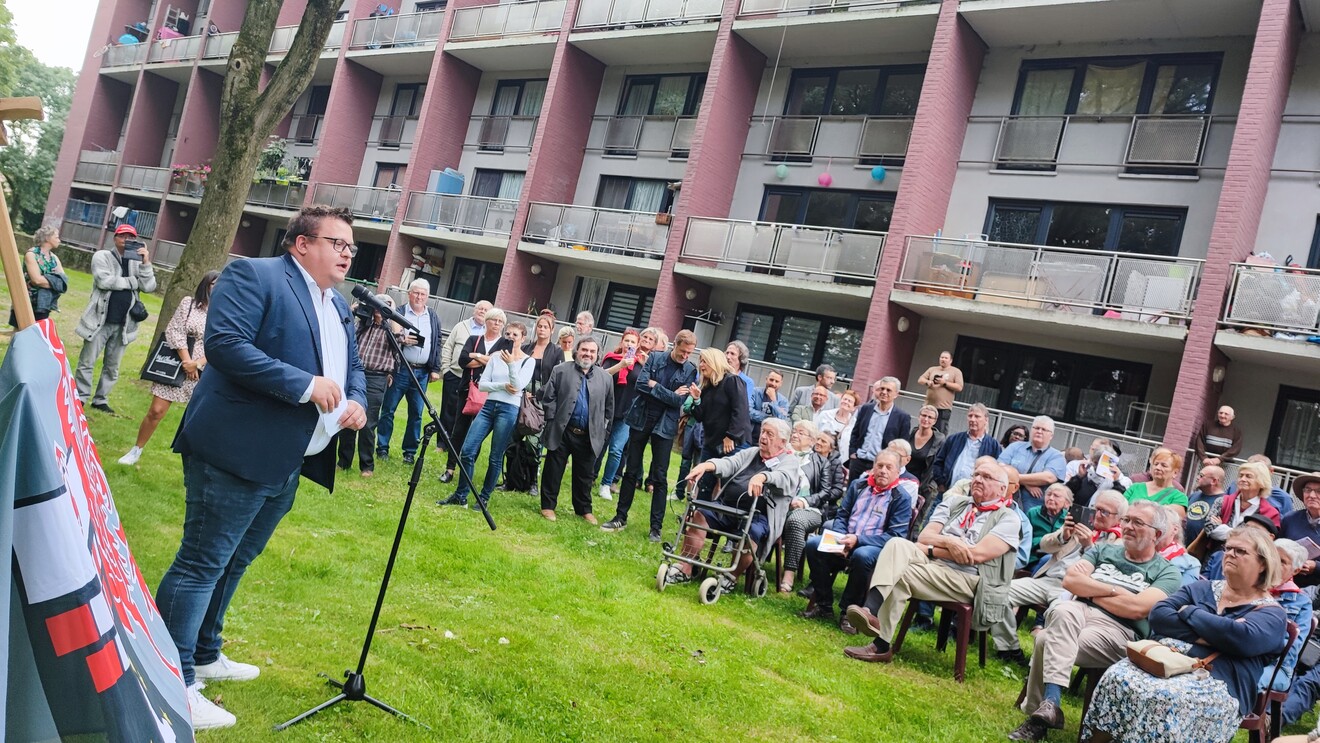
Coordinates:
[1009,526]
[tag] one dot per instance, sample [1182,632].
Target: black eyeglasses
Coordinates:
[339,245]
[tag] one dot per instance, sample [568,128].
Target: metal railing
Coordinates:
[167,253]
[614,231]
[85,212]
[670,136]
[860,138]
[88,172]
[1274,299]
[1145,141]
[125,55]
[278,196]
[1129,286]
[394,131]
[282,40]
[144,178]
[507,19]
[500,133]
[385,32]
[75,233]
[793,377]
[305,128]
[600,14]
[790,250]
[192,185]
[175,50]
[219,45]
[766,7]
[473,215]
[378,204]
[145,224]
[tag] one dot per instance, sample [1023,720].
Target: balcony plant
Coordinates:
[190,179]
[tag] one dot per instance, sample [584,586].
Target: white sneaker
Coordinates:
[606,493]
[206,715]
[132,456]
[224,669]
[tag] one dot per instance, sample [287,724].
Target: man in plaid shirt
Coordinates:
[380,362]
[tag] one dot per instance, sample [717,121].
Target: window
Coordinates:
[307,126]
[855,91]
[662,95]
[615,306]
[497,184]
[513,98]
[848,210]
[1117,86]
[366,264]
[473,281]
[405,105]
[798,339]
[1092,391]
[389,175]
[1313,260]
[431,6]
[634,194]
[1129,229]
[1294,440]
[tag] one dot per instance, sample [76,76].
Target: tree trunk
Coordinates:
[248,115]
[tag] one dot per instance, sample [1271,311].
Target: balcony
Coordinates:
[175,50]
[83,235]
[465,215]
[1174,145]
[392,132]
[85,212]
[1050,22]
[387,32]
[143,178]
[796,253]
[452,311]
[866,140]
[629,136]
[305,128]
[500,133]
[373,204]
[167,253]
[617,14]
[282,40]
[98,168]
[289,196]
[507,19]
[125,55]
[613,232]
[1270,314]
[219,46]
[1024,285]
[812,7]
[145,224]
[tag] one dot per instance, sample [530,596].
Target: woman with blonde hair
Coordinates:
[1163,485]
[719,401]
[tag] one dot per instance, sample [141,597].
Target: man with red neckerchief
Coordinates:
[966,553]
[874,511]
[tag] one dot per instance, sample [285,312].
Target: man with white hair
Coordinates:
[454,389]
[1040,464]
[1219,440]
[421,360]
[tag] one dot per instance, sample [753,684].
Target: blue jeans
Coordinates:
[226,524]
[618,440]
[385,427]
[1305,690]
[825,566]
[494,417]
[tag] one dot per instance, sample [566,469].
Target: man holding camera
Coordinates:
[108,324]
[943,382]
[421,359]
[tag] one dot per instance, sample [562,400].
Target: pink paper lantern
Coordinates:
[825,179]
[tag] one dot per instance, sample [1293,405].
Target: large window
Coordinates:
[662,95]
[1295,430]
[1117,86]
[634,194]
[497,184]
[821,207]
[855,91]
[513,98]
[615,306]
[1128,229]
[473,281]
[366,264]
[1091,391]
[799,340]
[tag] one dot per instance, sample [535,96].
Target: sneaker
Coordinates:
[132,456]
[105,408]
[535,491]
[383,454]
[409,458]
[605,492]
[675,576]
[224,669]
[613,525]
[206,715]
[728,583]
[654,536]
[446,476]
[453,500]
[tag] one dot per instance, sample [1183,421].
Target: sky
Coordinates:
[55,30]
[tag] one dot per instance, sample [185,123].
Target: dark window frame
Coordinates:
[858,197]
[1153,63]
[833,72]
[521,82]
[776,330]
[645,304]
[400,171]
[1115,220]
[691,104]
[1285,395]
[1313,258]
[480,267]
[666,201]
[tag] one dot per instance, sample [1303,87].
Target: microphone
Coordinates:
[364,295]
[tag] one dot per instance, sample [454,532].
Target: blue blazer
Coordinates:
[899,426]
[667,426]
[262,350]
[897,520]
[952,449]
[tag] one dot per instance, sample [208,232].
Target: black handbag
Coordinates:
[164,365]
[138,312]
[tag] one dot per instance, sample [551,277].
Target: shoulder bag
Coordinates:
[164,365]
[1163,661]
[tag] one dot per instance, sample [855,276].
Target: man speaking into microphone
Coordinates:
[283,377]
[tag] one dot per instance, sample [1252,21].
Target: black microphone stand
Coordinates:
[354,686]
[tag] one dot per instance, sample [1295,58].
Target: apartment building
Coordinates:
[1089,202]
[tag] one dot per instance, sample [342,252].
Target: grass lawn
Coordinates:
[538,631]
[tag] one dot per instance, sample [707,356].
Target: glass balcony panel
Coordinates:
[1030,139]
[885,137]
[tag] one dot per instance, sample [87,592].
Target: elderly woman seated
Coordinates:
[1296,603]
[1234,623]
[1171,548]
[817,499]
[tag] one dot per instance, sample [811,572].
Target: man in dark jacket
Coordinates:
[421,360]
[955,460]
[662,385]
[878,422]
[579,406]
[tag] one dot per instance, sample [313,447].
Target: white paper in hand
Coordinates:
[831,541]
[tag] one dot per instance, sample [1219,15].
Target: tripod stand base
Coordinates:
[352,689]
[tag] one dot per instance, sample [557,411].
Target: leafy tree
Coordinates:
[28,163]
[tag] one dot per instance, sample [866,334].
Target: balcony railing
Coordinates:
[614,231]
[102,173]
[670,136]
[278,196]
[599,14]
[84,235]
[219,45]
[1128,286]
[473,215]
[392,131]
[305,128]
[175,50]
[124,55]
[385,32]
[1274,299]
[378,204]
[780,7]
[85,212]
[1141,142]
[500,133]
[865,139]
[507,19]
[789,250]
[167,253]
[145,224]
[143,178]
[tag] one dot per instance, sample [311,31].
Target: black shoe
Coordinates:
[383,454]
[1014,656]
[446,476]
[654,536]
[103,407]
[807,592]
[409,458]
[613,525]
[922,624]
[453,500]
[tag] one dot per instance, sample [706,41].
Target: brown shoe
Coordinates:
[1031,730]
[367,473]
[863,620]
[869,654]
[817,612]
[846,627]
[1049,714]
[590,519]
[548,514]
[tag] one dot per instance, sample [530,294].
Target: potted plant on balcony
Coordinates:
[189,180]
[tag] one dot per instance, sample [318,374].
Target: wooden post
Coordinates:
[11,109]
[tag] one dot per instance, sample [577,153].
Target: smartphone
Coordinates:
[631,353]
[131,249]
[1084,515]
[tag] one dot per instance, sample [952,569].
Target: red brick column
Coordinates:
[1237,216]
[923,196]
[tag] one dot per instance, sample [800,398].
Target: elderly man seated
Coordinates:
[1113,589]
[764,478]
[875,510]
[966,553]
[1061,548]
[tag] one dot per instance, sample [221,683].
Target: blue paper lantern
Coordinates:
[781,171]
[878,173]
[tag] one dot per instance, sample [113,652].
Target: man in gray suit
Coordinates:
[579,404]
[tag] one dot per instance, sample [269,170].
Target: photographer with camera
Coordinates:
[111,319]
[943,382]
[380,365]
[421,358]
